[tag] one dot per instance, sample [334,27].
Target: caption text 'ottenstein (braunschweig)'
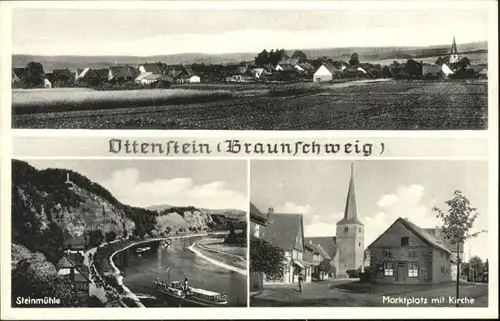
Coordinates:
[233,147]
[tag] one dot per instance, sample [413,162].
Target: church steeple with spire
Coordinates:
[350,235]
[454,52]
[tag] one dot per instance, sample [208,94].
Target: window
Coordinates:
[359,230]
[405,241]
[441,254]
[413,270]
[388,253]
[359,244]
[388,269]
[442,269]
[412,253]
[346,229]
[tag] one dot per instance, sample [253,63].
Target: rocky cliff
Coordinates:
[49,214]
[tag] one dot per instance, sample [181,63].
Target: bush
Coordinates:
[353,273]
[266,258]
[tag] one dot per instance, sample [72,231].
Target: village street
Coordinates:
[347,293]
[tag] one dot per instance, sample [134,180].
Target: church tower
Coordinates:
[350,236]
[454,52]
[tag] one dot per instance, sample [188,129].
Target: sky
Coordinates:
[146,32]
[385,190]
[210,184]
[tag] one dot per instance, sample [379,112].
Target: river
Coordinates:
[141,270]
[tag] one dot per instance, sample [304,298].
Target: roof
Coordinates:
[350,212]
[257,216]
[293,61]
[431,69]
[426,237]
[435,232]
[122,71]
[306,66]
[102,73]
[478,68]
[62,73]
[325,244]
[286,67]
[331,68]
[180,71]
[152,67]
[19,72]
[63,263]
[283,230]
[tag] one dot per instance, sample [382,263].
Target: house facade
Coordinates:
[71,267]
[326,72]
[286,231]
[407,254]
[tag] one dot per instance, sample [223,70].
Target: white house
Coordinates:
[257,72]
[326,72]
[446,70]
[193,79]
[47,83]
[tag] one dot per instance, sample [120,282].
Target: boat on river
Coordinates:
[177,295]
[143,249]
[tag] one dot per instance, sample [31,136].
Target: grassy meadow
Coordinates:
[25,101]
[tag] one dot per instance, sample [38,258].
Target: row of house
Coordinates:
[404,253]
[145,74]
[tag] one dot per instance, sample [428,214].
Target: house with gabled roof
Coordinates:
[120,74]
[326,72]
[77,273]
[92,77]
[406,253]
[183,74]
[304,67]
[258,219]
[63,78]
[286,231]
[327,247]
[154,68]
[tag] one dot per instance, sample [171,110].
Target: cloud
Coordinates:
[322,225]
[291,207]
[406,202]
[126,186]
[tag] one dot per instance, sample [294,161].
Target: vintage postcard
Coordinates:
[249,159]
[279,68]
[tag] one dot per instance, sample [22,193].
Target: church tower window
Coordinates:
[346,229]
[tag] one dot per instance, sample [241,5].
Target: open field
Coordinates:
[361,105]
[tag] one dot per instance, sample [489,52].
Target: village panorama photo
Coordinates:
[251,69]
[368,233]
[127,234]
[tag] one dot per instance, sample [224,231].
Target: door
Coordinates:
[401,272]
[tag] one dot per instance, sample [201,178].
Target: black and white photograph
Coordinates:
[392,233]
[129,233]
[279,68]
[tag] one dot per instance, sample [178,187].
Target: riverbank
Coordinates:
[117,273]
[195,248]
